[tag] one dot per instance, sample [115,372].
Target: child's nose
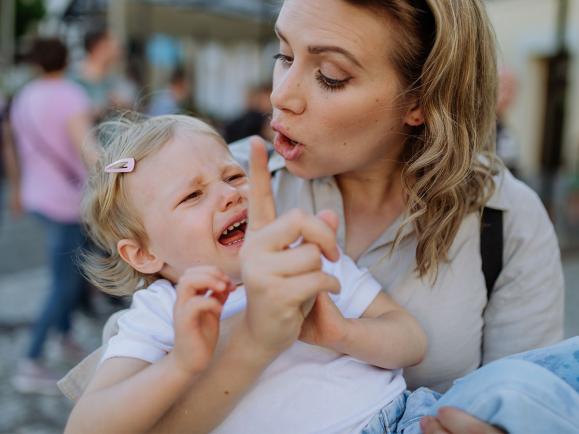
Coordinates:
[230,197]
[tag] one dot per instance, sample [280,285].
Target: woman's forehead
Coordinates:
[331,21]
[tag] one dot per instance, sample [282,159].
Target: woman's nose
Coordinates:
[287,92]
[230,196]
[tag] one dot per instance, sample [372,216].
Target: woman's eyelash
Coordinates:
[327,83]
[330,83]
[287,60]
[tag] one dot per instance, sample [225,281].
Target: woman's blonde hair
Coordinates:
[445,57]
[106,208]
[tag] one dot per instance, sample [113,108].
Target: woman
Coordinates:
[384,112]
[380,119]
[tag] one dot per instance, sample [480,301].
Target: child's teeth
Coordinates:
[234,225]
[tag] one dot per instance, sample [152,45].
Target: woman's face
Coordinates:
[337,104]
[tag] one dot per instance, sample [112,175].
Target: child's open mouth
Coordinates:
[234,234]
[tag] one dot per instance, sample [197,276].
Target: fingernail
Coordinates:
[424,422]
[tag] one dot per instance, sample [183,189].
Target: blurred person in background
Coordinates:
[171,100]
[95,72]
[508,148]
[255,119]
[50,119]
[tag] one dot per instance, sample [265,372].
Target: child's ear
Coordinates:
[414,117]
[139,257]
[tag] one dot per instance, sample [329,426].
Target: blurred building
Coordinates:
[225,46]
[539,43]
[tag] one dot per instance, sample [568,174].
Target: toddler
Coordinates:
[168,207]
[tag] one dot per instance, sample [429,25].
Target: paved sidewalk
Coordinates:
[21,294]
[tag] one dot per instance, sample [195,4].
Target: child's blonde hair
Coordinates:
[106,208]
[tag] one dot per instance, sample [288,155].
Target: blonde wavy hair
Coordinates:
[445,57]
[106,208]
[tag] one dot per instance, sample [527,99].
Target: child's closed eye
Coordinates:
[236,177]
[191,196]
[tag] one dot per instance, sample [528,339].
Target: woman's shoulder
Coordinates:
[512,194]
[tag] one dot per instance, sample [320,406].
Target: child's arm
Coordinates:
[129,395]
[386,335]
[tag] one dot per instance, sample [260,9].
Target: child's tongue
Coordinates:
[233,237]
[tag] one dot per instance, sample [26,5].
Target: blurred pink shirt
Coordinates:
[40,118]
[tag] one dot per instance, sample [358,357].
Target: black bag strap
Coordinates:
[491,246]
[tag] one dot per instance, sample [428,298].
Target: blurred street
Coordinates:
[23,282]
[22,287]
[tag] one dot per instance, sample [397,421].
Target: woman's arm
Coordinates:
[525,310]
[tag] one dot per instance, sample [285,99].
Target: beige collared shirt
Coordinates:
[526,308]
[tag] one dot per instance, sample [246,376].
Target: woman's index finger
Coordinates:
[261,202]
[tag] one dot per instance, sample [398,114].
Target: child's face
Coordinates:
[187,195]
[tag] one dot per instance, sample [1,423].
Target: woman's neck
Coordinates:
[373,200]
[372,190]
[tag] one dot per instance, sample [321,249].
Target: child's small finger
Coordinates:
[199,285]
[197,305]
[222,296]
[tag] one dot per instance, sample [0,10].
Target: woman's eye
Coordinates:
[283,59]
[331,83]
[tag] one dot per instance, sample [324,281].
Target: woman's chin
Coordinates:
[306,171]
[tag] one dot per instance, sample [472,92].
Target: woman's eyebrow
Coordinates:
[319,49]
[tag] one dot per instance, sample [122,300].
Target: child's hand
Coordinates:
[196,316]
[325,325]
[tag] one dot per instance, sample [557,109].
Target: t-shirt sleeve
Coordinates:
[146,329]
[358,287]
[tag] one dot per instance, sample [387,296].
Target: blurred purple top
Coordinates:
[52,172]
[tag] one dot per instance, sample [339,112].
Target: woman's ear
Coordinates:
[414,117]
[138,257]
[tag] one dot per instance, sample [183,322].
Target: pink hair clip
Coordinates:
[124,165]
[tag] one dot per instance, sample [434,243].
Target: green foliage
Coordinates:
[28,13]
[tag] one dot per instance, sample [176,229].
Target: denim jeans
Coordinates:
[63,243]
[532,392]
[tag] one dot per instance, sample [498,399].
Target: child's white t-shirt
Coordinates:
[306,389]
